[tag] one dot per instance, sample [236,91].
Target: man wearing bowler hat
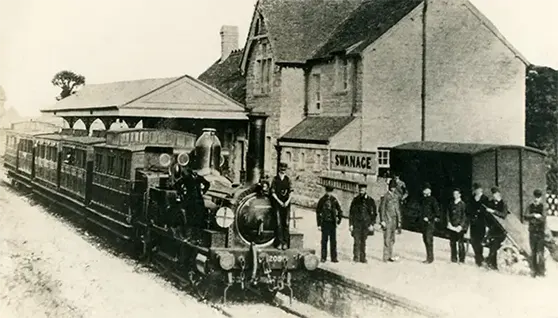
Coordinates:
[328,216]
[362,216]
[281,190]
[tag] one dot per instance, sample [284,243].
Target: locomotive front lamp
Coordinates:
[183,159]
[165,160]
[226,261]
[224,217]
[311,262]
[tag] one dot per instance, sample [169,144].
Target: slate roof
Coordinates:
[227,78]
[365,25]
[110,94]
[458,148]
[183,97]
[317,129]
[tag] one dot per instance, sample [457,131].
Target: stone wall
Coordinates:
[343,297]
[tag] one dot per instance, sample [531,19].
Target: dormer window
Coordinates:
[341,74]
[315,102]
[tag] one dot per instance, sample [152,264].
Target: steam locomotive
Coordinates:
[161,192]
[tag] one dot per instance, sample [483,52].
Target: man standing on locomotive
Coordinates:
[328,216]
[536,215]
[499,209]
[390,219]
[281,190]
[362,216]
[476,210]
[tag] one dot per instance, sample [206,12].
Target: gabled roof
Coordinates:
[365,25]
[457,148]
[226,77]
[298,28]
[183,97]
[317,129]
[110,94]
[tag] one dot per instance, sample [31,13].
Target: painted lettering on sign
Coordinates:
[353,161]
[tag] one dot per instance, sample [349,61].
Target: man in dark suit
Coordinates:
[328,216]
[476,213]
[281,190]
[430,213]
[457,224]
[362,216]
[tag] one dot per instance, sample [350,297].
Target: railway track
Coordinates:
[246,305]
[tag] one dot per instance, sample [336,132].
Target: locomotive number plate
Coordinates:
[276,259]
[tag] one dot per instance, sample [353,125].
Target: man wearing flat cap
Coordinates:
[476,213]
[328,216]
[281,190]
[390,219]
[362,216]
[430,213]
[496,235]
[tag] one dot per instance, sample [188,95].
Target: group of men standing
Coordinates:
[461,217]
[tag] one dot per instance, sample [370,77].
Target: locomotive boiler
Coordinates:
[213,232]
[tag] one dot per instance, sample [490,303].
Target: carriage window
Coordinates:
[110,164]
[98,162]
[124,167]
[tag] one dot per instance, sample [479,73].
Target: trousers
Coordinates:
[496,242]
[389,241]
[329,233]
[428,239]
[536,240]
[478,231]
[282,229]
[457,247]
[360,235]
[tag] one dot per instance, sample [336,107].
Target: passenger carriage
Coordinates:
[113,176]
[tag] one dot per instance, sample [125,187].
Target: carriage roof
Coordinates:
[84,140]
[138,139]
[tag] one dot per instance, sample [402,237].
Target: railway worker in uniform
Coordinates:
[457,224]
[390,219]
[536,215]
[328,216]
[281,191]
[476,213]
[195,187]
[496,236]
[430,213]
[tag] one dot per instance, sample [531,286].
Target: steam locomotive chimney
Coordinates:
[256,148]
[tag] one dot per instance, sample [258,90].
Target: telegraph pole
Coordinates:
[423,87]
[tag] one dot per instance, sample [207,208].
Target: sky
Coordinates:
[109,40]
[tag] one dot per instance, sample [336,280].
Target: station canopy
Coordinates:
[177,97]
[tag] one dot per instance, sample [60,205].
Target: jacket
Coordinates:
[362,211]
[328,210]
[457,214]
[476,211]
[536,225]
[429,208]
[390,212]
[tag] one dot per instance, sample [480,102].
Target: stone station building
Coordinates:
[344,81]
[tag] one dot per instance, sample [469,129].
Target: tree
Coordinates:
[68,81]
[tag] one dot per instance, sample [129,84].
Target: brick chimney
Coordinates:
[229,40]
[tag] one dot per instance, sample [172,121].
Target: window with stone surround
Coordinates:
[316,93]
[302,161]
[341,74]
[383,161]
[263,72]
[318,161]
[288,157]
